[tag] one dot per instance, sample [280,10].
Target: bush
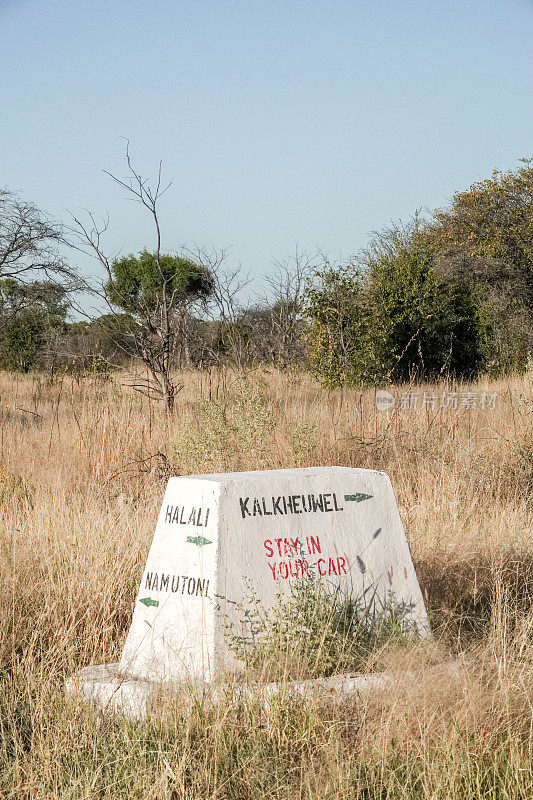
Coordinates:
[485,237]
[394,316]
[423,324]
[22,341]
[338,327]
[318,631]
[451,294]
[30,317]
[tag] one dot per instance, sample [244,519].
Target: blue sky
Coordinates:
[282,123]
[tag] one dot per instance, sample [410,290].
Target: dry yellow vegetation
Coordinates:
[82,470]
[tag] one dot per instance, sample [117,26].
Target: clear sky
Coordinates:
[282,123]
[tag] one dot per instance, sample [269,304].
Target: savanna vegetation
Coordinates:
[180,375]
[84,465]
[448,295]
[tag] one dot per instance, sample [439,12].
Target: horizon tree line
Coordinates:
[449,294]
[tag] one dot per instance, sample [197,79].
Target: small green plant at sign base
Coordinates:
[318,631]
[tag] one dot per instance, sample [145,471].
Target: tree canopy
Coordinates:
[451,294]
[30,315]
[393,317]
[139,284]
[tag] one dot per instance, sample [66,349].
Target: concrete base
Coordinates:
[111,692]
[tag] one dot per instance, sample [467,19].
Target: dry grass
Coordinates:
[82,469]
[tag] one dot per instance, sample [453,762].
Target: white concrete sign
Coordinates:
[222,538]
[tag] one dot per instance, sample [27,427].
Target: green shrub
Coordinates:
[30,316]
[317,631]
[22,340]
[238,424]
[395,317]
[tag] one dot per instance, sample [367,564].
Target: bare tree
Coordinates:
[29,254]
[226,306]
[146,296]
[29,242]
[287,285]
[269,330]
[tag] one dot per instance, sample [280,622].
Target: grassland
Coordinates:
[82,468]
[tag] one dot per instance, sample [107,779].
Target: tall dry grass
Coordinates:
[82,469]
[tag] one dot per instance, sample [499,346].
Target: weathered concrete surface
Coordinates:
[222,540]
[348,686]
[111,693]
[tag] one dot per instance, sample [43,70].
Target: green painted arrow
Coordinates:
[199,540]
[357,498]
[147,601]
